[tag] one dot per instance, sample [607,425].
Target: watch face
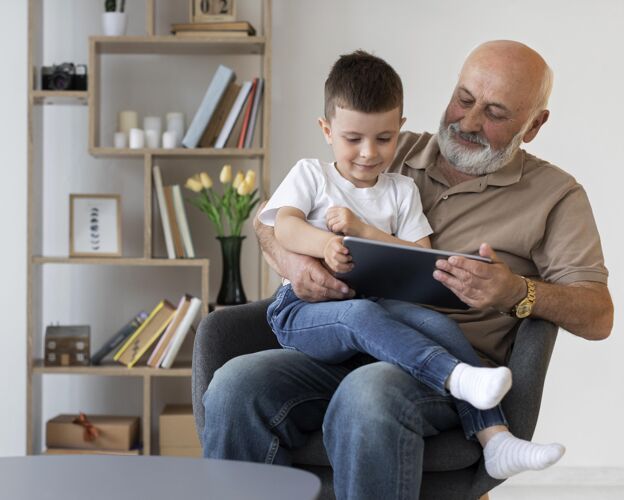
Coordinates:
[523,310]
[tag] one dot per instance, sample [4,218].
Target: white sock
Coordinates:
[506,455]
[483,388]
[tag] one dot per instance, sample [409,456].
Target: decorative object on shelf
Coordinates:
[175,124]
[67,345]
[152,139]
[206,11]
[176,430]
[227,213]
[126,120]
[94,225]
[93,432]
[234,29]
[66,76]
[137,138]
[120,140]
[169,139]
[114,20]
[152,125]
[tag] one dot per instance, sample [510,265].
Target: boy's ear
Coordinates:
[402,122]
[326,129]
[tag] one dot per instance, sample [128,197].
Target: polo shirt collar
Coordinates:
[426,160]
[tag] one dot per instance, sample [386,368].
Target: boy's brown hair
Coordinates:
[362,82]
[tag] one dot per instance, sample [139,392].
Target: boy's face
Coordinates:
[363,143]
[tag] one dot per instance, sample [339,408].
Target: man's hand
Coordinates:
[479,284]
[341,220]
[312,282]
[337,255]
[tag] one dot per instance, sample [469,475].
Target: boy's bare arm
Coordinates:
[342,220]
[296,234]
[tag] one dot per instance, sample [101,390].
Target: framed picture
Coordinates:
[209,11]
[94,225]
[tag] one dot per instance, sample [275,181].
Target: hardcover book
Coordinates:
[180,334]
[160,350]
[116,340]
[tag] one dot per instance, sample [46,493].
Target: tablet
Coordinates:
[399,272]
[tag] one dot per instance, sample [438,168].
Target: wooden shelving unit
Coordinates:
[147,44]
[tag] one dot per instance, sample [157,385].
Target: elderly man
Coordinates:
[480,192]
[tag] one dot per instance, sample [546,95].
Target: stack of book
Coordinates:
[155,338]
[178,239]
[234,29]
[227,115]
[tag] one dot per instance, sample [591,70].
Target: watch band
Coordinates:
[524,308]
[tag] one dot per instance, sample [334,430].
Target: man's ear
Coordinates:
[536,124]
[326,129]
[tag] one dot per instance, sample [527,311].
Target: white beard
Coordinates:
[480,162]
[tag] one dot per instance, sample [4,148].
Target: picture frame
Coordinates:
[95,225]
[210,11]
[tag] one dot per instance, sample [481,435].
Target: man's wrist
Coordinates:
[518,293]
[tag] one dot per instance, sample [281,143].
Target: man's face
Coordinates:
[363,143]
[486,120]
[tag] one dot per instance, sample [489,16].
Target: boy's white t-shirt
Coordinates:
[313,186]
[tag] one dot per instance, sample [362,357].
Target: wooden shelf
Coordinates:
[122,261]
[178,152]
[109,370]
[60,96]
[174,45]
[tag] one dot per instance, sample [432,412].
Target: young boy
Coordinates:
[318,203]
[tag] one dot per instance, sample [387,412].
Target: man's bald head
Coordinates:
[524,69]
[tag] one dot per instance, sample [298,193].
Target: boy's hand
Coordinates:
[344,221]
[337,255]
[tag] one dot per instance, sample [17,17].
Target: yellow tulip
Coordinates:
[193,185]
[238,179]
[205,179]
[244,188]
[250,178]
[226,174]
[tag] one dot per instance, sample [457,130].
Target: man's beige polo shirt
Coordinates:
[536,217]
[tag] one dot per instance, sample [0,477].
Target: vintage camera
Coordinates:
[66,76]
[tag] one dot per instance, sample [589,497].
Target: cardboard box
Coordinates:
[115,433]
[177,432]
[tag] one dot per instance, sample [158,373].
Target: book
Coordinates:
[146,334]
[216,123]
[220,81]
[180,213]
[159,351]
[248,107]
[180,334]
[77,451]
[211,34]
[254,113]
[164,216]
[116,340]
[173,221]
[216,26]
[231,119]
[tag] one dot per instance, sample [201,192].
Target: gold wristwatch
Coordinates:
[523,308]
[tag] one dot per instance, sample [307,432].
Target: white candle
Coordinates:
[137,138]
[152,139]
[169,140]
[120,140]
[127,120]
[153,123]
[175,123]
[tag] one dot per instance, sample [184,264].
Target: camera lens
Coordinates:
[61,81]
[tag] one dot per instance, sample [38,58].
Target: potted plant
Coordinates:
[114,20]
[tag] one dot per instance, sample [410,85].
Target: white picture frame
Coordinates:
[95,225]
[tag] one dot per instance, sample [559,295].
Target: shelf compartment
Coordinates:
[60,96]
[100,152]
[182,369]
[123,261]
[173,45]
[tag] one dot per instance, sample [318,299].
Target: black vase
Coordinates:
[231,291]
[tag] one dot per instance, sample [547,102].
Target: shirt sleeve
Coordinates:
[412,225]
[570,250]
[297,190]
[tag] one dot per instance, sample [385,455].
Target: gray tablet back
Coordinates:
[399,272]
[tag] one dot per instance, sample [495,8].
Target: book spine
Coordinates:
[254,113]
[175,230]
[180,334]
[231,119]
[164,216]
[217,87]
[138,331]
[152,339]
[178,205]
[123,333]
[154,358]
[252,93]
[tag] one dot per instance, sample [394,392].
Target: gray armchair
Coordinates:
[453,467]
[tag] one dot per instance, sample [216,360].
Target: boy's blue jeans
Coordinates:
[426,344]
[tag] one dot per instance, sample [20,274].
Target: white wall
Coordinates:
[426,42]
[13,223]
